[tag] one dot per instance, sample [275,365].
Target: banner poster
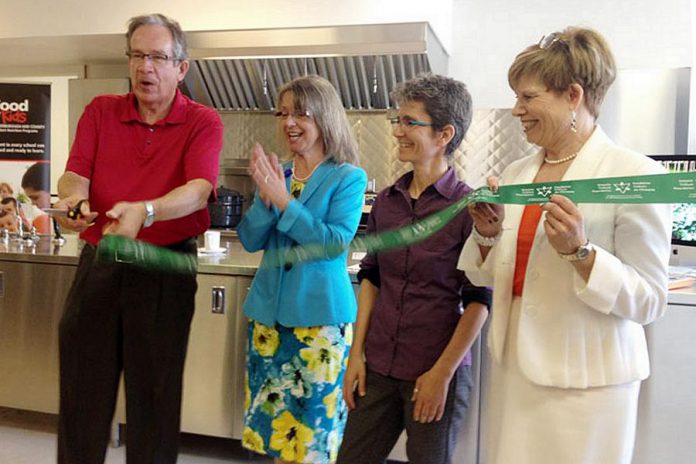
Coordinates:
[25,143]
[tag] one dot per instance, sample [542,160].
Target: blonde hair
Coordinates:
[575,55]
[7,186]
[319,98]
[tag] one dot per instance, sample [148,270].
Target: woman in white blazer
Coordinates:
[573,284]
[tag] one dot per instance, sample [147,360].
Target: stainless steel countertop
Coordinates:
[43,251]
[234,261]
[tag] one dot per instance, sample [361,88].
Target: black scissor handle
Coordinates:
[76,212]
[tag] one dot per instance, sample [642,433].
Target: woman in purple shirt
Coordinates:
[418,316]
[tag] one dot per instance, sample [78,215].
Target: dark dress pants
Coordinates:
[374,426]
[121,318]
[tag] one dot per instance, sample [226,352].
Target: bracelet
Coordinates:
[485,241]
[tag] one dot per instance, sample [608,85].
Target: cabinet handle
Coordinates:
[218,306]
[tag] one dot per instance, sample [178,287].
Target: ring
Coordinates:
[265,180]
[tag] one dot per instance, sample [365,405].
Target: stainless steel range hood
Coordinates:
[242,70]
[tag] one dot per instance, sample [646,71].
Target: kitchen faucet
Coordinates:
[20,223]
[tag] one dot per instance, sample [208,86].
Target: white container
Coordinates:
[212,240]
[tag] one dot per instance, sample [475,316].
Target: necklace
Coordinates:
[305,178]
[560,161]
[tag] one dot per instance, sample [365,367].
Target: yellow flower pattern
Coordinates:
[306,334]
[349,341]
[266,339]
[322,360]
[330,403]
[252,440]
[349,334]
[290,437]
[293,404]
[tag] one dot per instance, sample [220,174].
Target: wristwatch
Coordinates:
[150,218]
[581,253]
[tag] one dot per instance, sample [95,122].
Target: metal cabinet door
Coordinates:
[31,305]
[213,398]
[666,428]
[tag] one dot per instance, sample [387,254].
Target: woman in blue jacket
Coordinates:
[300,312]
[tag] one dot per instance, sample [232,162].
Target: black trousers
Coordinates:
[121,318]
[376,423]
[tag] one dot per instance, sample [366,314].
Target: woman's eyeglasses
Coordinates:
[547,41]
[407,122]
[297,115]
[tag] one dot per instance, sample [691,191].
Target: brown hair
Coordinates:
[575,55]
[447,101]
[319,98]
[7,200]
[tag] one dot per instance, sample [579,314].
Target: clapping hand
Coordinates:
[267,173]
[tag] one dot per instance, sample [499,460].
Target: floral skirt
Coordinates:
[294,407]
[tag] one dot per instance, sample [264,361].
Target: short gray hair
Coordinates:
[446,100]
[317,96]
[179,46]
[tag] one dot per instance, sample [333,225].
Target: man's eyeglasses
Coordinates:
[547,41]
[407,122]
[158,59]
[297,115]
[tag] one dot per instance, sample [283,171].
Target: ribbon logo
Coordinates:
[544,191]
[622,187]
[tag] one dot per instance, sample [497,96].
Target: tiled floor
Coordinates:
[30,438]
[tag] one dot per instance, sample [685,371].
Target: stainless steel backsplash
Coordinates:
[492,142]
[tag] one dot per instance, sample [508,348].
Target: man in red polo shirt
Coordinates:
[143,165]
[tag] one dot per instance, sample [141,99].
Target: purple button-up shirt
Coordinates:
[421,292]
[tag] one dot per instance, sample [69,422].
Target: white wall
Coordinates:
[488,34]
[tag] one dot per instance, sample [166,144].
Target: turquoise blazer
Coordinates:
[325,217]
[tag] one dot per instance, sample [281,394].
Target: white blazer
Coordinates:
[572,333]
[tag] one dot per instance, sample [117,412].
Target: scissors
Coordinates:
[72,213]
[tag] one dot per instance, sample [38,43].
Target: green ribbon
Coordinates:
[656,188]
[116,248]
